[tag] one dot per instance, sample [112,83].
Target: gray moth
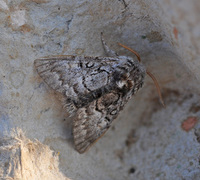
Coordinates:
[94,89]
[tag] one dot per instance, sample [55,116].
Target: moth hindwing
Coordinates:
[94,89]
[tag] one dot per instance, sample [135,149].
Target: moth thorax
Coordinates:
[125,83]
[121,83]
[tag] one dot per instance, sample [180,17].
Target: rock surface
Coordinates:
[146,141]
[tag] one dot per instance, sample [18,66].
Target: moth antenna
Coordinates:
[157,87]
[149,74]
[134,52]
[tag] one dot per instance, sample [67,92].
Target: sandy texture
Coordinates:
[25,159]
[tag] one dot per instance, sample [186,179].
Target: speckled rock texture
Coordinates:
[146,141]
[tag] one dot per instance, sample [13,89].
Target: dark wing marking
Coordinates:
[91,122]
[77,76]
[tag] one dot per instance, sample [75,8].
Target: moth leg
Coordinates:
[108,51]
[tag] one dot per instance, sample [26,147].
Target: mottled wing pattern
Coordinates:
[92,121]
[75,77]
[96,88]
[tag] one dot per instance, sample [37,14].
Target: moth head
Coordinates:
[147,72]
[130,81]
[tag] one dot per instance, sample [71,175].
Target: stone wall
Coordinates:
[146,141]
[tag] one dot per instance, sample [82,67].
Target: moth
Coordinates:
[94,89]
